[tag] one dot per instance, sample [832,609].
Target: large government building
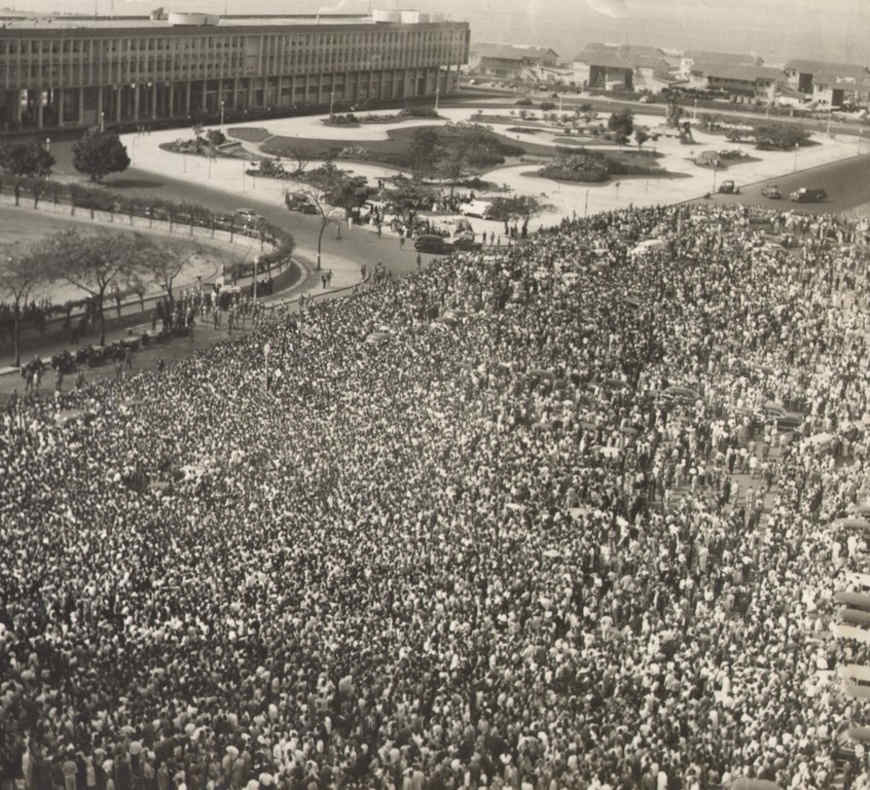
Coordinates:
[78,71]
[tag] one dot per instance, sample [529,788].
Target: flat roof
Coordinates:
[48,24]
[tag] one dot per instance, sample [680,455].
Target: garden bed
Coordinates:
[249,134]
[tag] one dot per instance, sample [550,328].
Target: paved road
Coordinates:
[847,183]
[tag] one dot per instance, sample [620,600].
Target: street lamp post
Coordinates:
[331,100]
[222,112]
[796,148]
[254,290]
[437,89]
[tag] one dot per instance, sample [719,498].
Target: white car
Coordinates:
[475,208]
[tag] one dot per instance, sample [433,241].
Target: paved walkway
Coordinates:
[689,181]
[345,272]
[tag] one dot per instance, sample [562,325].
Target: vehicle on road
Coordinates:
[466,243]
[249,218]
[299,201]
[475,208]
[434,245]
[808,195]
[772,192]
[729,188]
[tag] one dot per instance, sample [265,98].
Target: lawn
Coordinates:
[393,152]
[26,227]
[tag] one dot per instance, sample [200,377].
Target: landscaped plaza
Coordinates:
[685,181]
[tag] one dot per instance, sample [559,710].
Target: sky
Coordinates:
[774,29]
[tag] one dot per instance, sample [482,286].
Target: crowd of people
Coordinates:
[528,518]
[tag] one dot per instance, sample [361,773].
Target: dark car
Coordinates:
[807,195]
[432,244]
[466,243]
[772,192]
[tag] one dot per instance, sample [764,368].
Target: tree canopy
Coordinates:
[97,154]
[20,274]
[93,261]
[29,160]
[621,123]
[780,136]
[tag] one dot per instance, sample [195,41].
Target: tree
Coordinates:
[640,136]
[20,274]
[300,159]
[408,197]
[163,264]
[423,152]
[779,136]
[93,262]
[674,112]
[515,207]
[97,154]
[621,123]
[316,193]
[29,160]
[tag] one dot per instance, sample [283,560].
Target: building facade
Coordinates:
[621,68]
[88,72]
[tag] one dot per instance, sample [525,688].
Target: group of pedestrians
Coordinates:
[532,517]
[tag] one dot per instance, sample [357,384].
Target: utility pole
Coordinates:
[437,88]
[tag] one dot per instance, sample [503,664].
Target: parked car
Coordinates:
[475,208]
[773,192]
[434,245]
[808,195]
[729,188]
[466,243]
[248,217]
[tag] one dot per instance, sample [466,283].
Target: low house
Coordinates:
[830,84]
[510,61]
[757,82]
[621,68]
[696,64]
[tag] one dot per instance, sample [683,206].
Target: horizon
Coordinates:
[777,31]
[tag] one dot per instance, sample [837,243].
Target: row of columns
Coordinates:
[272,95]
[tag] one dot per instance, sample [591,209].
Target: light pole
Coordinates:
[331,101]
[222,112]
[796,147]
[102,122]
[437,89]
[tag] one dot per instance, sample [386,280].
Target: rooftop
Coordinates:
[745,73]
[623,57]
[66,22]
[829,70]
[487,49]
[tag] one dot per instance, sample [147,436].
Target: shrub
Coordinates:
[548,105]
[419,111]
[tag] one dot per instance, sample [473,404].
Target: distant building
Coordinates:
[696,64]
[81,71]
[622,68]
[830,84]
[744,80]
[510,61]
